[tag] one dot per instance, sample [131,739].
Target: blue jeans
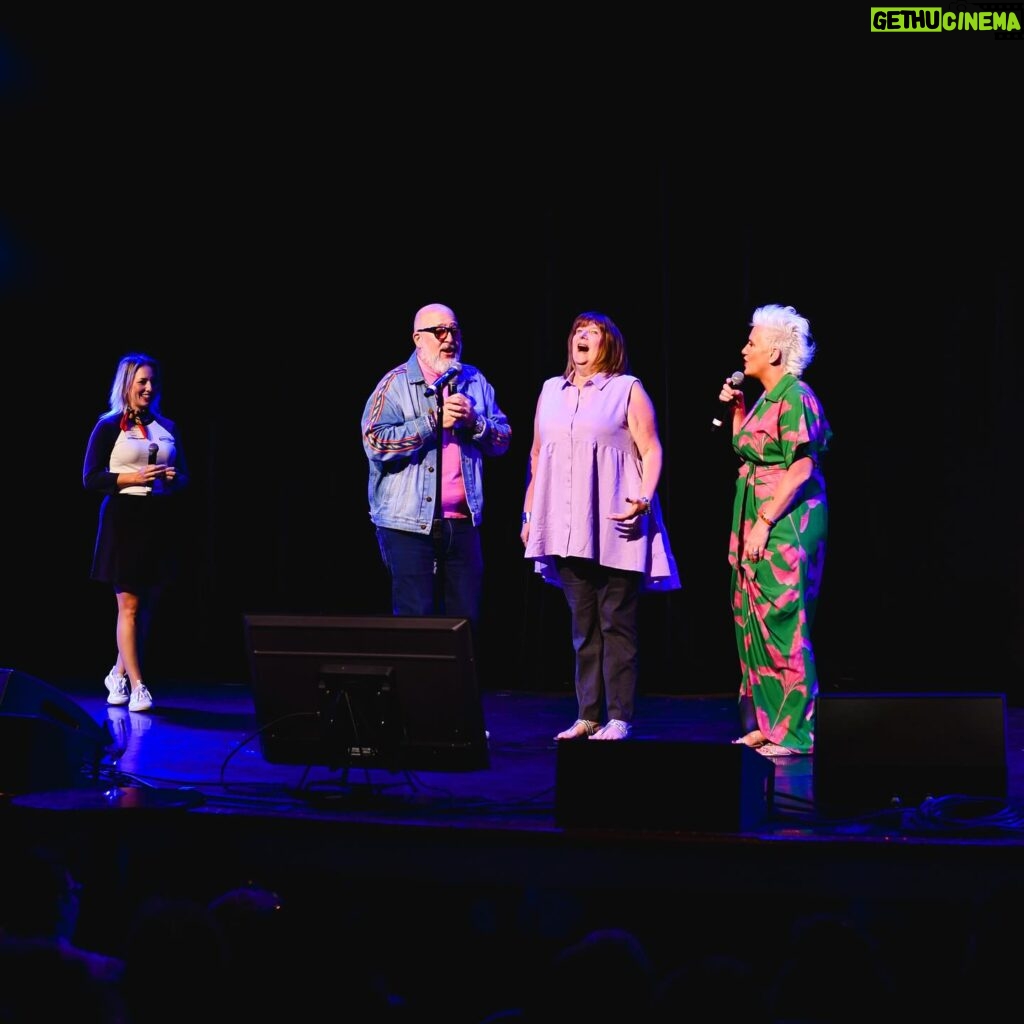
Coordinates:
[604,604]
[410,559]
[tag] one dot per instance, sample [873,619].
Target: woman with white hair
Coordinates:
[779,529]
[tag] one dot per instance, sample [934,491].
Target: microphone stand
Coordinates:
[437,525]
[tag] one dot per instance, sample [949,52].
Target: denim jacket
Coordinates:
[401,445]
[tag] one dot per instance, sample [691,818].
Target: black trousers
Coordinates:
[604,604]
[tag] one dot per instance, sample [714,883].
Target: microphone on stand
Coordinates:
[453,371]
[735,381]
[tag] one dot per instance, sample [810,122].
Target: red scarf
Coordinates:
[136,417]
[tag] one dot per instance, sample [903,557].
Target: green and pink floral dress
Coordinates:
[775,598]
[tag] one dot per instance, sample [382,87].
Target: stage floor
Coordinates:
[677,779]
[675,826]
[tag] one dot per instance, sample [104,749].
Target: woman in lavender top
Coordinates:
[591,519]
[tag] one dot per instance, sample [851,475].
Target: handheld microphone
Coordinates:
[453,371]
[154,451]
[735,381]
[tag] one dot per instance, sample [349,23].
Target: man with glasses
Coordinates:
[427,427]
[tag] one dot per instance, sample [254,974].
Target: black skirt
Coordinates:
[136,542]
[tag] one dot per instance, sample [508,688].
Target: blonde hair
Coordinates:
[124,377]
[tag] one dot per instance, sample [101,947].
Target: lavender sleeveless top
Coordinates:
[586,468]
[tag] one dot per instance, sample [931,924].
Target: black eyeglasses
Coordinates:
[442,331]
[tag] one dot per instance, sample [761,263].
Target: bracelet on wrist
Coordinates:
[526,518]
[646,506]
[764,518]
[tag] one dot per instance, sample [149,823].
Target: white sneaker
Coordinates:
[117,687]
[141,699]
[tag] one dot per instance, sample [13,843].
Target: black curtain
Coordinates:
[238,206]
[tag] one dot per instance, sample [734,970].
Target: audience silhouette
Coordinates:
[533,956]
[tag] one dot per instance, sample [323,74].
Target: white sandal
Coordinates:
[580,728]
[614,729]
[774,750]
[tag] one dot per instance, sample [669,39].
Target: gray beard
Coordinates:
[440,362]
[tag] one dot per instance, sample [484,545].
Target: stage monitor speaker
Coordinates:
[662,786]
[47,741]
[874,751]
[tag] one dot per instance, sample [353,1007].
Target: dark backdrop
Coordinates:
[265,211]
